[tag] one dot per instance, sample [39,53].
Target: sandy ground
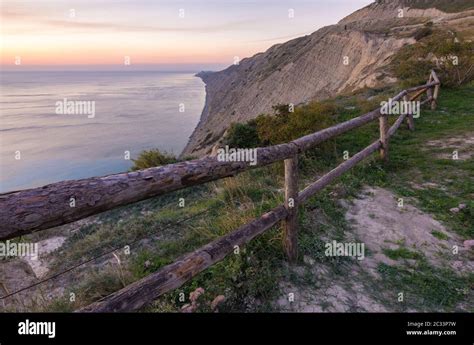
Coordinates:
[464,145]
[39,265]
[379,223]
[24,271]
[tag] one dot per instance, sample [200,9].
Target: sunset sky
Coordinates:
[103,32]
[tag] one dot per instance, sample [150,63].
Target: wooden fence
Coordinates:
[27,211]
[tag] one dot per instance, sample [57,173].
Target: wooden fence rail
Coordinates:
[27,211]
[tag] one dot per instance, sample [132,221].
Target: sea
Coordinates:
[43,139]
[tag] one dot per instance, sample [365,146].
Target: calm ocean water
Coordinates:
[133,111]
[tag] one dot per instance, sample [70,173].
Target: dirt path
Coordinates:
[394,234]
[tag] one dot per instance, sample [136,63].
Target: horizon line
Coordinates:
[146,67]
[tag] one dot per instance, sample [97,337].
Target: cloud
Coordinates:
[38,24]
[144,28]
[289,37]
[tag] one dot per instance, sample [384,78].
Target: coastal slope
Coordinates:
[345,57]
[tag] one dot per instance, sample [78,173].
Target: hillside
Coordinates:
[408,249]
[345,57]
[386,9]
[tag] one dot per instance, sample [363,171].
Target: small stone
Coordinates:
[193,296]
[454,210]
[188,308]
[147,263]
[468,244]
[462,206]
[308,260]
[218,300]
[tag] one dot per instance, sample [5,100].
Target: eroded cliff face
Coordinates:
[344,57]
[388,9]
[317,66]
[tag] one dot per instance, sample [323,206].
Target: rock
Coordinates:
[468,244]
[188,308]
[193,296]
[454,210]
[310,261]
[218,300]
[147,264]
[462,206]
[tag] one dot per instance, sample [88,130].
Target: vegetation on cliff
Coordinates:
[421,169]
[451,56]
[249,281]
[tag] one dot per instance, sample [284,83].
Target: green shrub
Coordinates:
[285,126]
[450,57]
[422,33]
[152,158]
[242,135]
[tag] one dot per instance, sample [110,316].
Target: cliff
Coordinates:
[350,55]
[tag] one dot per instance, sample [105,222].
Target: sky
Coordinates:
[146,33]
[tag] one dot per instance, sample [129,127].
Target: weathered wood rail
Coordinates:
[27,211]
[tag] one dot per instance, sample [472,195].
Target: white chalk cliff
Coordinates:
[344,57]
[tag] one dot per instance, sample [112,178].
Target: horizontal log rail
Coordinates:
[170,277]
[27,211]
[338,171]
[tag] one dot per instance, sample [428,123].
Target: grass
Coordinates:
[440,235]
[443,5]
[402,253]
[415,164]
[426,288]
[249,279]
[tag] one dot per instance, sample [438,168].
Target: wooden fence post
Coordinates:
[429,92]
[410,121]
[290,224]
[383,125]
[434,102]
